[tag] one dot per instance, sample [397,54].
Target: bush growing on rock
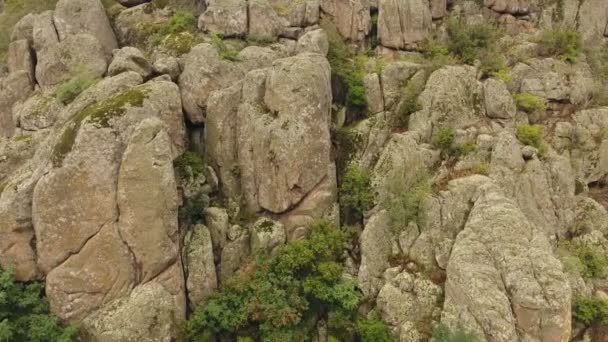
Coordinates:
[532,136]
[355,191]
[443,139]
[69,91]
[529,103]
[468,41]
[404,189]
[225,51]
[373,329]
[589,310]
[280,297]
[24,313]
[564,43]
[443,333]
[593,261]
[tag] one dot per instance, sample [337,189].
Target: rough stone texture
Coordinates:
[314,42]
[376,247]
[147,200]
[284,153]
[535,185]
[130,59]
[201,277]
[204,72]
[373,92]
[167,66]
[266,235]
[218,222]
[502,279]
[263,20]
[498,101]
[515,7]
[20,57]
[37,112]
[80,53]
[297,13]
[73,17]
[15,87]
[227,18]
[593,19]
[233,255]
[403,24]
[23,29]
[392,79]
[352,18]
[147,314]
[554,80]
[439,8]
[452,98]
[44,33]
[407,301]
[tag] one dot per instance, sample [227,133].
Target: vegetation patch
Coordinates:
[356,196]
[190,163]
[443,139]
[281,297]
[226,52]
[443,333]
[529,103]
[468,41]
[193,210]
[563,43]
[25,316]
[69,91]
[409,103]
[347,141]
[532,136]
[99,114]
[403,192]
[593,262]
[347,67]
[590,310]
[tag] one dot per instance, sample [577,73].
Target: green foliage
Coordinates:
[531,135]
[355,190]
[467,41]
[409,105]
[529,103]
[347,67]
[14,10]
[443,139]
[404,189]
[24,314]
[225,51]
[194,208]
[260,40]
[589,310]
[565,43]
[493,64]
[275,298]
[443,333]
[68,91]
[190,163]
[463,149]
[181,21]
[373,329]
[348,142]
[593,262]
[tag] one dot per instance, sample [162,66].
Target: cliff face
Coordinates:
[148,153]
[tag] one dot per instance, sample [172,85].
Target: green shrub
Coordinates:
[443,333]
[346,67]
[468,41]
[355,190]
[181,21]
[443,139]
[24,313]
[565,43]
[530,135]
[529,103]
[404,190]
[373,329]
[409,105]
[68,91]
[594,262]
[190,163]
[226,52]
[347,141]
[273,300]
[463,149]
[193,210]
[589,310]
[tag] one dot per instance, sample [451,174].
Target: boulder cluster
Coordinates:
[94,185]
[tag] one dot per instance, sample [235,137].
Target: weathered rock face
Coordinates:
[515,7]
[130,59]
[199,265]
[73,17]
[403,24]
[15,87]
[227,18]
[504,284]
[352,18]
[376,249]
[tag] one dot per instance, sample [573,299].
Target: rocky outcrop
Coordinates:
[201,277]
[131,59]
[376,249]
[503,282]
[227,18]
[352,18]
[403,24]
